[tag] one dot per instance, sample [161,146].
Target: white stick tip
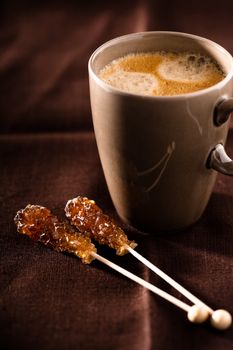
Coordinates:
[198,314]
[221,319]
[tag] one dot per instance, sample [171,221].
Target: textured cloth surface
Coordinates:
[48,155]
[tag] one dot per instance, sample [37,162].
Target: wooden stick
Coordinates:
[169,280]
[143,283]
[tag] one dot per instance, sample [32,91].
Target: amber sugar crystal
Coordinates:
[41,225]
[85,215]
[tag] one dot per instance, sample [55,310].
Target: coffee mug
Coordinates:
[161,154]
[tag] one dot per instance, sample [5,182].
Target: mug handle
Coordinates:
[218,159]
[222,111]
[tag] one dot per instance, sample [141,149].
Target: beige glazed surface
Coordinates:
[154,149]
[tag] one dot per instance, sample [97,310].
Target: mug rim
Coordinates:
[118,39]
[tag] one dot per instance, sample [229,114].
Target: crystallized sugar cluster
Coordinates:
[41,225]
[88,217]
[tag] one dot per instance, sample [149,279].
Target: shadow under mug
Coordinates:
[160,154]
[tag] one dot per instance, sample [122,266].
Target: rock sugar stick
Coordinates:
[86,216]
[89,218]
[42,226]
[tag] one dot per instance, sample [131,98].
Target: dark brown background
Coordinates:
[48,154]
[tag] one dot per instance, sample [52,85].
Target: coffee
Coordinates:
[162,73]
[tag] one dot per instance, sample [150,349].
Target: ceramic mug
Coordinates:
[161,154]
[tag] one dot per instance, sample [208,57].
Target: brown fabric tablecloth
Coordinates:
[48,154]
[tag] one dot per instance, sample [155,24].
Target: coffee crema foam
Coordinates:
[162,73]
